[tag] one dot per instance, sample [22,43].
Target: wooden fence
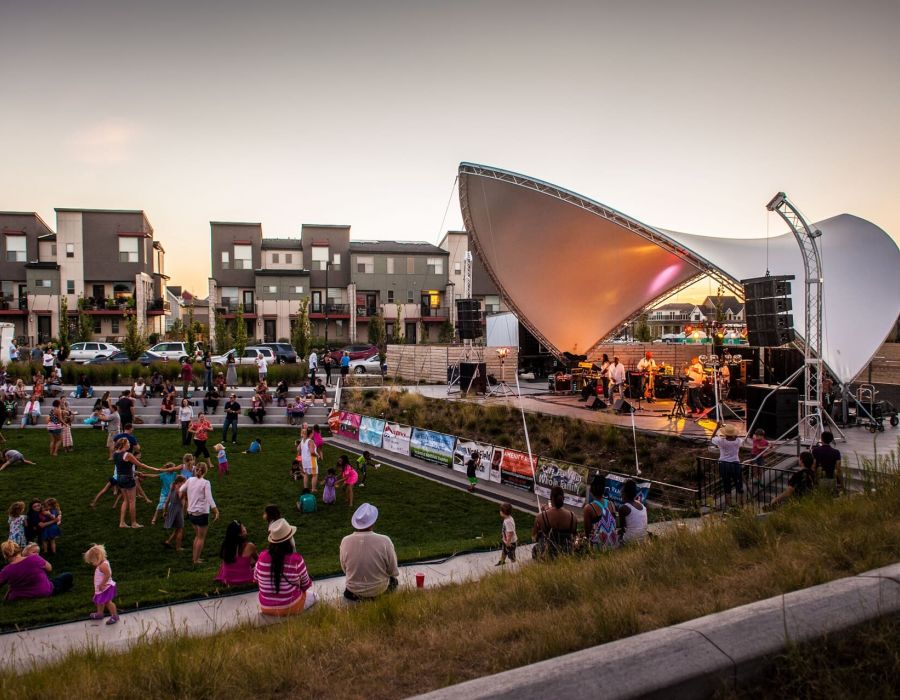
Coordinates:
[429,363]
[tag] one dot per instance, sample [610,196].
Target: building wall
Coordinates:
[222,239]
[400,282]
[33,227]
[68,231]
[338,239]
[100,245]
[268,263]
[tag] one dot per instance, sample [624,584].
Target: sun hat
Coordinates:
[364,517]
[281,530]
[729,431]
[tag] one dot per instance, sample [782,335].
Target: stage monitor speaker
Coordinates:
[473,377]
[595,403]
[622,406]
[469,321]
[767,307]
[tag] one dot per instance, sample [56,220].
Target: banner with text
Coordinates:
[432,447]
[515,467]
[482,454]
[371,431]
[614,483]
[349,427]
[396,438]
[572,478]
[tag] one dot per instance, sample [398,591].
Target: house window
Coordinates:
[457,268]
[226,260]
[16,248]
[70,250]
[298,289]
[97,328]
[272,289]
[319,257]
[114,326]
[409,295]
[70,286]
[243,257]
[390,296]
[275,258]
[435,266]
[365,264]
[128,249]
[43,283]
[53,250]
[288,258]
[410,266]
[390,266]
[229,296]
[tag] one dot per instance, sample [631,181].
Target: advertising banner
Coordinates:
[614,484]
[432,447]
[572,478]
[371,431]
[515,467]
[396,438]
[334,422]
[482,453]
[349,427]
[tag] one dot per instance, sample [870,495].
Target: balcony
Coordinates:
[664,317]
[106,306]
[13,305]
[434,313]
[363,311]
[336,310]
[158,307]
[227,308]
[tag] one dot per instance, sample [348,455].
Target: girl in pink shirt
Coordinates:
[349,477]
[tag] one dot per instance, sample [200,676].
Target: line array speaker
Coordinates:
[469,321]
[767,309]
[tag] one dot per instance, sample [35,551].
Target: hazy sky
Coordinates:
[686,115]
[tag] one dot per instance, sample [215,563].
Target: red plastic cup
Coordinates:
[420,580]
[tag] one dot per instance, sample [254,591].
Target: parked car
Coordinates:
[357,352]
[371,365]
[175,351]
[83,352]
[284,352]
[248,358]
[121,357]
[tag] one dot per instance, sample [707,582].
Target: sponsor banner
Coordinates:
[515,468]
[371,431]
[572,478]
[482,452]
[432,447]
[614,484]
[349,427]
[334,422]
[396,438]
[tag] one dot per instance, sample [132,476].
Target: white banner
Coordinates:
[396,438]
[467,448]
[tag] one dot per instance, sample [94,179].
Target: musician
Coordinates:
[616,373]
[604,374]
[695,376]
[647,366]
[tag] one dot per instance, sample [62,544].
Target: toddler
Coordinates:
[508,534]
[51,517]
[363,462]
[255,447]
[296,469]
[17,524]
[222,456]
[329,495]
[104,586]
[307,502]
[757,452]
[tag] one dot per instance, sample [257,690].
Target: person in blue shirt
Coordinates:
[255,447]
[345,365]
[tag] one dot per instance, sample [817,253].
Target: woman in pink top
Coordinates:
[284,584]
[27,574]
[349,477]
[238,556]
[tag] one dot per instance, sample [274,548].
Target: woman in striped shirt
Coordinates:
[284,584]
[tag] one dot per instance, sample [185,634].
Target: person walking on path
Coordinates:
[231,372]
[232,413]
[187,378]
[200,430]
[185,417]
[199,505]
[368,559]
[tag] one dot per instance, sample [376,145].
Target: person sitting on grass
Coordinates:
[306,502]
[238,555]
[285,587]
[11,457]
[27,574]
[802,481]
[368,559]
[632,515]
[555,527]
[255,447]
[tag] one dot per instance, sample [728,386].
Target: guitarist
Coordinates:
[647,366]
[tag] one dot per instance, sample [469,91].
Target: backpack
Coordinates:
[604,532]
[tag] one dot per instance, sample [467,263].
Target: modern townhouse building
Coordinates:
[456,243]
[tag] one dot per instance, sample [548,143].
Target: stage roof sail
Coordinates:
[574,270]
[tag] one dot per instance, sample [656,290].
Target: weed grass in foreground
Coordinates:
[424,519]
[415,641]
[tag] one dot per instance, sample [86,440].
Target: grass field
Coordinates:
[423,518]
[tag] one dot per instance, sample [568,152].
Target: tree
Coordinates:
[301,333]
[240,331]
[377,335]
[642,332]
[64,334]
[85,330]
[135,342]
[397,333]
[448,332]
[190,331]
[223,335]
[176,332]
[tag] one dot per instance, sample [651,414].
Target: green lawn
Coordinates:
[423,518]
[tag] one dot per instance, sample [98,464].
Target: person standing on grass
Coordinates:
[200,503]
[632,515]
[369,560]
[200,430]
[828,464]
[66,415]
[113,427]
[232,413]
[363,462]
[54,428]
[166,476]
[729,462]
[185,417]
[348,479]
[126,480]
[173,513]
[187,378]
[508,538]
[126,407]
[285,587]
[472,470]
[222,458]
[104,586]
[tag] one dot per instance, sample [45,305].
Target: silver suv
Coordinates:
[174,350]
[82,352]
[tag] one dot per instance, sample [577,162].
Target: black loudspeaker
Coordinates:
[595,403]
[767,306]
[778,417]
[469,321]
[622,406]
[473,377]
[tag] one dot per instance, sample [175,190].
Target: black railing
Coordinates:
[12,304]
[366,310]
[434,312]
[158,305]
[329,308]
[753,486]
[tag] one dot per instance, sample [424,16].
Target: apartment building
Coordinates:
[457,244]
[102,261]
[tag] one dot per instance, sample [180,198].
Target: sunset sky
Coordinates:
[686,115]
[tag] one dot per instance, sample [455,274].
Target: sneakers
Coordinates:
[500,563]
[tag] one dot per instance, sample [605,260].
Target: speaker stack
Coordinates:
[780,412]
[469,322]
[767,309]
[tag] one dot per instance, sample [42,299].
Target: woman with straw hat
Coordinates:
[729,461]
[285,587]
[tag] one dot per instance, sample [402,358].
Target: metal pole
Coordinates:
[327,265]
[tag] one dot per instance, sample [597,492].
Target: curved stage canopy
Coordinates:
[575,270]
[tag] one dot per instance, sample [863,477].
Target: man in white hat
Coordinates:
[367,558]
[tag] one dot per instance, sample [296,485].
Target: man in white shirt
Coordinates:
[616,373]
[262,366]
[313,366]
[695,384]
[647,365]
[367,558]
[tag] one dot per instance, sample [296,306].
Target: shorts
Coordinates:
[730,473]
[19,459]
[510,550]
[55,432]
[113,481]
[223,467]
[126,482]
[473,480]
[199,519]
[313,469]
[344,371]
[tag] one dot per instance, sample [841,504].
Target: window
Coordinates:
[336,259]
[319,257]
[97,325]
[275,258]
[298,289]
[390,266]
[243,257]
[365,264]
[114,326]
[390,296]
[435,266]
[409,295]
[288,258]
[128,249]
[226,260]
[43,283]
[272,289]
[229,296]
[457,268]
[410,266]
[53,250]
[16,247]
[70,286]
[70,250]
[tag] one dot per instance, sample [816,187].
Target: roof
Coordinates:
[235,223]
[405,247]
[281,244]
[33,214]
[511,218]
[102,211]
[47,237]
[728,303]
[674,306]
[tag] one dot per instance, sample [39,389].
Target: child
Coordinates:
[296,411]
[104,586]
[222,456]
[271,514]
[508,535]
[307,502]
[348,479]
[51,517]
[757,452]
[329,495]
[362,463]
[471,467]
[173,512]
[255,447]
[17,524]
[166,477]
[33,520]
[187,466]
[11,457]
[296,467]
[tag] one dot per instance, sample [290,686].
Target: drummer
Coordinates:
[647,367]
